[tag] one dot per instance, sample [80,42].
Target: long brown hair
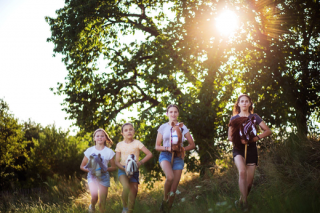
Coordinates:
[126,125]
[172,105]
[236,108]
[107,136]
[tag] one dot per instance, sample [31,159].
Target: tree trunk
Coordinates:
[301,116]
[207,157]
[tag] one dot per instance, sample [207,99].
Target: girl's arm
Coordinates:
[230,133]
[158,144]
[191,145]
[83,164]
[266,131]
[113,165]
[118,155]
[146,158]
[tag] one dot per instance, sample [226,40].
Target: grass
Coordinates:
[286,181]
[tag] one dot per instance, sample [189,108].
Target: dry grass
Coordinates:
[287,180]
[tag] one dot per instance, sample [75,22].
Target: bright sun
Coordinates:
[227,22]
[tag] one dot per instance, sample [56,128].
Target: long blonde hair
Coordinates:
[106,134]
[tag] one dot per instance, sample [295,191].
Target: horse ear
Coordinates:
[172,124]
[181,125]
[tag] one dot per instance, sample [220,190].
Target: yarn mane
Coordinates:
[236,125]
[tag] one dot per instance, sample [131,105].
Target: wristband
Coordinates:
[258,137]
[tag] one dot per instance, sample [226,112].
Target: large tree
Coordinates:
[280,60]
[176,59]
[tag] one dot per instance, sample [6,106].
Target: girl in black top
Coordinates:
[243,108]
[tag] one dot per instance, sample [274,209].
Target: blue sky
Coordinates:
[27,68]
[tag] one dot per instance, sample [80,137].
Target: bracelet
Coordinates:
[258,137]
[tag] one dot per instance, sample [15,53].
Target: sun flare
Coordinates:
[227,22]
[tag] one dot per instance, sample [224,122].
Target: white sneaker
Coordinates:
[90,210]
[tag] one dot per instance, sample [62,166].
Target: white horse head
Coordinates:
[131,165]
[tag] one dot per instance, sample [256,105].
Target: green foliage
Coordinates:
[55,152]
[287,180]
[175,58]
[13,148]
[279,60]
[30,153]
[161,52]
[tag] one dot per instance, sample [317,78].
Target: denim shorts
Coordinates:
[178,162]
[134,178]
[104,180]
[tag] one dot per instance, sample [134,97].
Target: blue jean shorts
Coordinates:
[134,178]
[178,162]
[104,180]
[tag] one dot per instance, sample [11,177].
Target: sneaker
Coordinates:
[90,210]
[124,210]
[245,207]
[237,204]
[169,209]
[163,207]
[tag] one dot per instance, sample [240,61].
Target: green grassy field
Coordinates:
[287,180]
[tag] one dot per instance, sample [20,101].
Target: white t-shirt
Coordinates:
[106,153]
[165,130]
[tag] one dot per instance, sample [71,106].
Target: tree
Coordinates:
[13,153]
[176,60]
[53,152]
[280,63]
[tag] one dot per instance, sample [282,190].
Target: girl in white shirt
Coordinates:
[163,144]
[101,183]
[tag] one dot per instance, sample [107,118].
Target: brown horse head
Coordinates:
[242,128]
[176,143]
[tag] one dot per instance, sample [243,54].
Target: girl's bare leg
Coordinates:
[250,174]
[167,169]
[124,180]
[174,186]
[103,193]
[94,194]
[242,169]
[132,195]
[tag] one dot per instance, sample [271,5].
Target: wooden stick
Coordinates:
[171,147]
[245,153]
[172,158]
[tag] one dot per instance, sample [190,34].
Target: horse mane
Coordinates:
[236,124]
